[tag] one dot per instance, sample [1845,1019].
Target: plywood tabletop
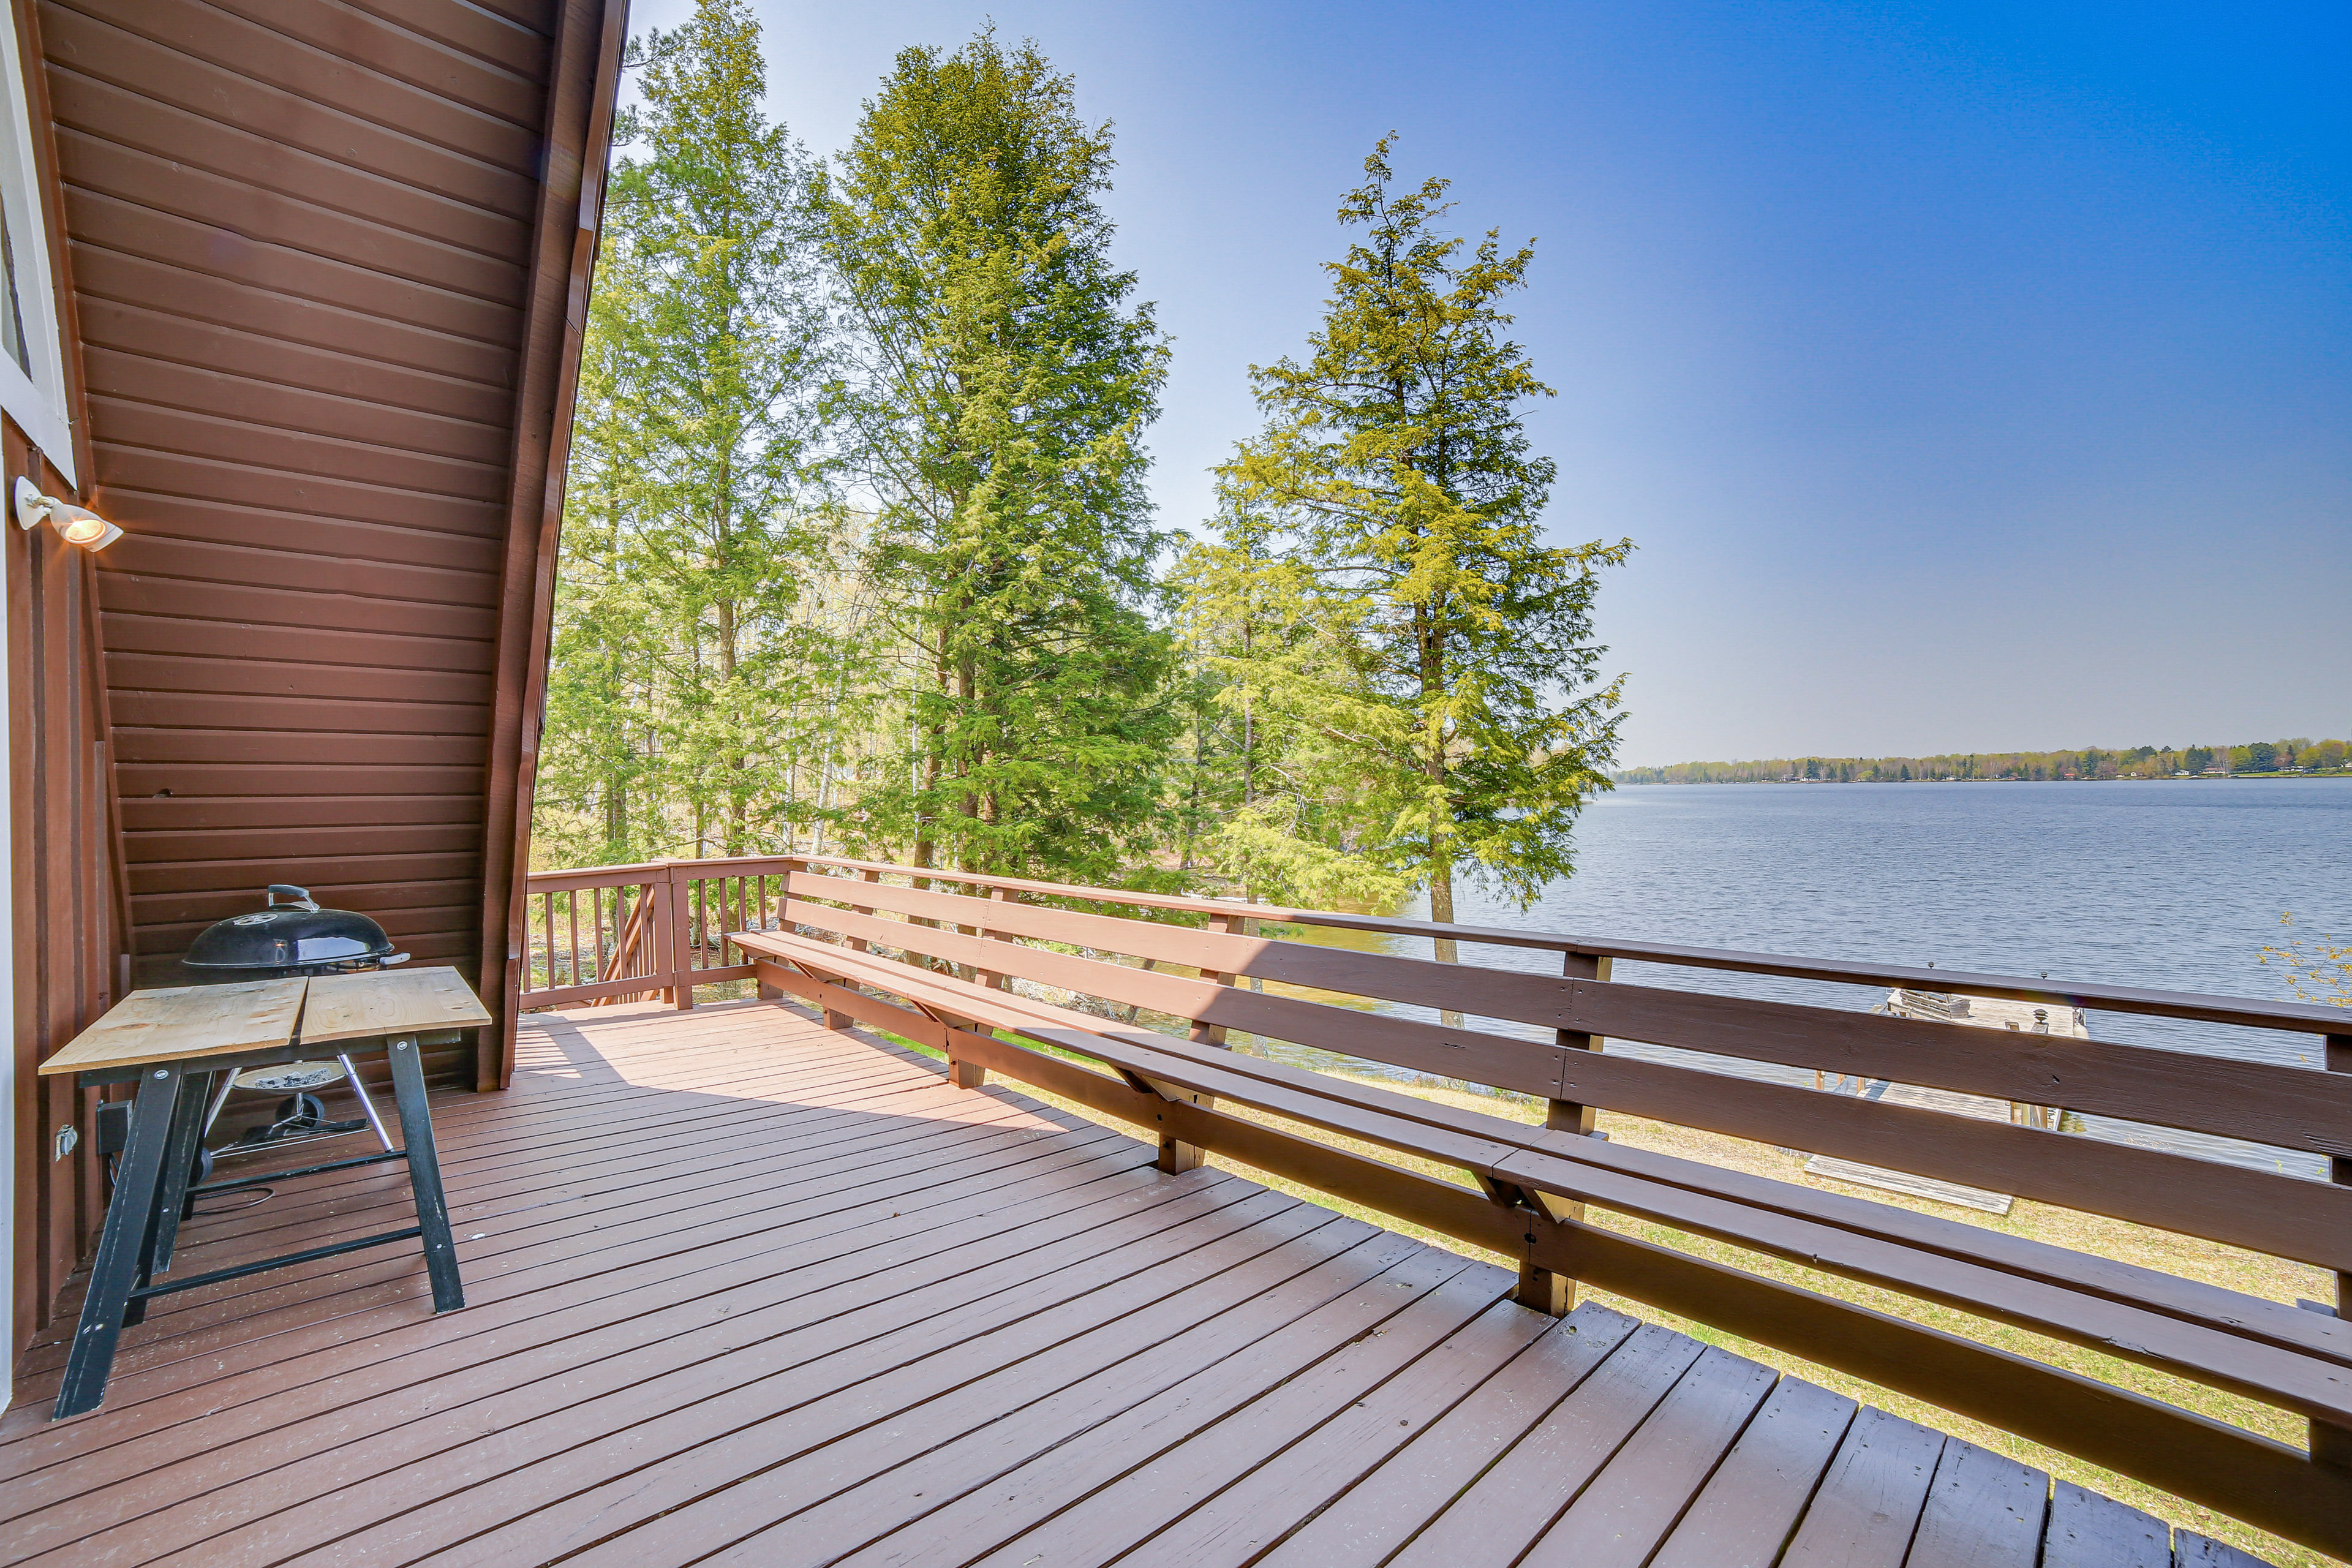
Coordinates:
[389,1002]
[185,1021]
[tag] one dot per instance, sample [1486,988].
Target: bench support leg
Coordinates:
[966,1075]
[1176,1156]
[1540,1288]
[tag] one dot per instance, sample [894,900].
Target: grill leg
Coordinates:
[425,1173]
[367,1106]
[115,1273]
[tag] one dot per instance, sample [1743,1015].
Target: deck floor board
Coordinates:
[744,1290]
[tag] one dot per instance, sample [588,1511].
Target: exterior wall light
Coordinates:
[75,525]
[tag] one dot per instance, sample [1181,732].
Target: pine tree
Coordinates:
[1006,384]
[1397,456]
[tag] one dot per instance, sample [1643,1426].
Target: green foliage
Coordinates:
[1004,387]
[1455,675]
[1276,799]
[691,694]
[2140,761]
[857,553]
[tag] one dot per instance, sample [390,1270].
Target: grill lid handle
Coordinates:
[299,897]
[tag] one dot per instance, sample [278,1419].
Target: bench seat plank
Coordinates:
[1493,1147]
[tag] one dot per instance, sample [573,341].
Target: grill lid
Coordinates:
[295,932]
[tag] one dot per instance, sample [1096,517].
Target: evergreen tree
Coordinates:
[1005,385]
[1397,456]
[1276,802]
[692,677]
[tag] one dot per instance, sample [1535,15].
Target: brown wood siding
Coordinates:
[311,247]
[64,902]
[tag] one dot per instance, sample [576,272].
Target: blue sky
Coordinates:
[1968,376]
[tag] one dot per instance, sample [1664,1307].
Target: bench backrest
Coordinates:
[1191,969]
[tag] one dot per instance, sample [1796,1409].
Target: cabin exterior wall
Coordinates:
[321,273]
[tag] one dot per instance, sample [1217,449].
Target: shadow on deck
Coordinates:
[744,1290]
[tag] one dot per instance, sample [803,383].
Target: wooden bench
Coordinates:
[950,991]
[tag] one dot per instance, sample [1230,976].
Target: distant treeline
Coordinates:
[2299,755]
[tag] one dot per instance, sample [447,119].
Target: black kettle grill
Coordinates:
[285,940]
[290,937]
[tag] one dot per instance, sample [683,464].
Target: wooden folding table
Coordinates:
[173,1044]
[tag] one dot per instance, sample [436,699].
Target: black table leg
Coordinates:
[425,1173]
[179,1166]
[129,1219]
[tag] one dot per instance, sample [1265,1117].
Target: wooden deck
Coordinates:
[743,1291]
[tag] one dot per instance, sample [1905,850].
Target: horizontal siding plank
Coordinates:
[135,673]
[126,60]
[150,308]
[362,545]
[190,561]
[517,43]
[132,379]
[162,747]
[297,779]
[376,652]
[233,151]
[303,716]
[257,845]
[265,216]
[299,455]
[152,813]
[215,479]
[426,905]
[312,871]
[203,246]
[282,58]
[350,34]
[133,594]
[535,14]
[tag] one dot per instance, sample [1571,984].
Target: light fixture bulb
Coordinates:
[80,525]
[75,525]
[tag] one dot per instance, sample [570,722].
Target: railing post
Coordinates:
[2332,1445]
[1540,1288]
[783,895]
[962,1073]
[990,977]
[1176,1156]
[1215,1034]
[833,1020]
[681,955]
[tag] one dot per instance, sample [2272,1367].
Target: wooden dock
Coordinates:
[745,1291]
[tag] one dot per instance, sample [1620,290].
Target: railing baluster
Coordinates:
[680,965]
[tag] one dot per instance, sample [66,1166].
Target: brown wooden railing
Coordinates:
[656,929]
[892,947]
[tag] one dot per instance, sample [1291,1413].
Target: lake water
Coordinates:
[2177,884]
